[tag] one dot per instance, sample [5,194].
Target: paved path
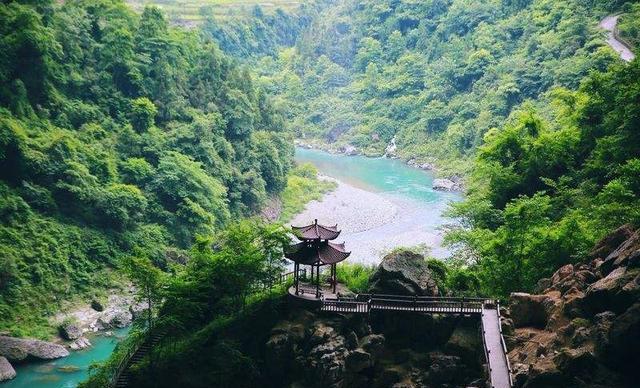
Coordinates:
[498,364]
[609,23]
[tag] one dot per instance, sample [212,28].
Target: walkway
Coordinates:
[609,23]
[487,309]
[494,347]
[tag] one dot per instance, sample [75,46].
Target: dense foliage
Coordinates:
[436,75]
[553,181]
[629,25]
[258,33]
[118,131]
[302,187]
[228,278]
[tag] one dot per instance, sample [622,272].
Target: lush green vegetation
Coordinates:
[437,74]
[553,181]
[629,25]
[228,279]
[354,276]
[302,187]
[118,131]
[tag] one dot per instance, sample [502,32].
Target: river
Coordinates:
[65,372]
[393,205]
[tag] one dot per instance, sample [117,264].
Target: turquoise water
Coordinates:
[376,174]
[419,219]
[51,374]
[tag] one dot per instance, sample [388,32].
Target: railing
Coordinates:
[124,360]
[364,303]
[504,346]
[502,343]
[367,302]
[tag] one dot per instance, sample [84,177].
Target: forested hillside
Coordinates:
[435,74]
[552,182]
[117,132]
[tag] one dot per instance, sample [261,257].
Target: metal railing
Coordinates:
[367,302]
[504,346]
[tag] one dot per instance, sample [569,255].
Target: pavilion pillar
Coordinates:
[334,275]
[318,281]
[296,273]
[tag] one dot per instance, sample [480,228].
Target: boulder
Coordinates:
[601,329]
[464,343]
[621,255]
[616,292]
[358,360]
[441,184]
[562,273]
[373,343]
[326,358]
[444,369]
[404,273]
[80,343]
[18,349]
[612,241]
[6,370]
[70,331]
[97,305]
[545,374]
[349,150]
[624,337]
[528,310]
[542,285]
[114,319]
[576,361]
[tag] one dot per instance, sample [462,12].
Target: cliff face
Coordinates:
[583,328]
[328,350]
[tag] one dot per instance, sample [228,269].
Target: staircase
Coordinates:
[123,378]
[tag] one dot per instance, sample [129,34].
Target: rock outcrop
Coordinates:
[18,349]
[80,343]
[315,350]
[583,328]
[6,370]
[447,184]
[70,331]
[404,273]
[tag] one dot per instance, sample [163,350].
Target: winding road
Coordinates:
[609,23]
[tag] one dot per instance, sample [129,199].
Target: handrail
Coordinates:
[364,303]
[504,345]
[124,361]
[418,297]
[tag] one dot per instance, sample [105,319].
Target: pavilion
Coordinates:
[315,249]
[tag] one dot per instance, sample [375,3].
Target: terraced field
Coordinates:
[191,12]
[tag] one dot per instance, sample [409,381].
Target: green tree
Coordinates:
[143,113]
[149,282]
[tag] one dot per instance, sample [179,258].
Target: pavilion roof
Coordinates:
[316,231]
[319,253]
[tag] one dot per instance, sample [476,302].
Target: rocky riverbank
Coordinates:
[445,183]
[373,224]
[116,311]
[353,209]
